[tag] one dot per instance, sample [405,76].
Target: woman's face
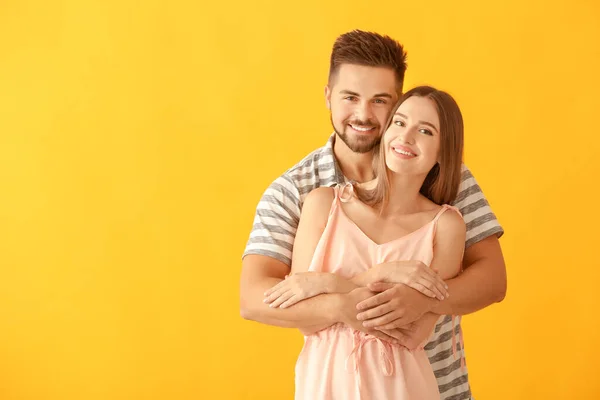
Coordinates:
[412,142]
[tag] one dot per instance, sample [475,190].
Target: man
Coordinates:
[365,81]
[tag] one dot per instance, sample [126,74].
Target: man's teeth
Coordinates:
[362,128]
[406,153]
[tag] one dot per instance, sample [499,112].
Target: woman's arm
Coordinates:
[301,284]
[449,244]
[448,251]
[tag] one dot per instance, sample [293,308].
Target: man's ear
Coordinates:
[328,97]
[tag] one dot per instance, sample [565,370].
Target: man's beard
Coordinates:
[360,143]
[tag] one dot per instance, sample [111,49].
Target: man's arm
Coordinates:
[483,279]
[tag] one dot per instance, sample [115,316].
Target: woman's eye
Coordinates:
[426,131]
[399,123]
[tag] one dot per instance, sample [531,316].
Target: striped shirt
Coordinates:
[276,220]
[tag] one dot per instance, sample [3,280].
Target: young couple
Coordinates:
[392,239]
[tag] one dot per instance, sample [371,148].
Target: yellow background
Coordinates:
[137,136]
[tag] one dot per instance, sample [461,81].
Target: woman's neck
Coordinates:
[404,194]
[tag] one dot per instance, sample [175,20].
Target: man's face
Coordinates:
[360,99]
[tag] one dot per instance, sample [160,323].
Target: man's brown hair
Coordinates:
[368,49]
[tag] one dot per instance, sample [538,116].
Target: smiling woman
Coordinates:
[343,241]
[426,127]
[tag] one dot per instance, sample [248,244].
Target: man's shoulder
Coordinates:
[316,169]
[316,160]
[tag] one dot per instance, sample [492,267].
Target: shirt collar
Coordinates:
[339,176]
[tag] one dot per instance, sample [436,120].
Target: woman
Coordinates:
[345,230]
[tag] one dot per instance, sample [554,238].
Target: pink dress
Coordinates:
[340,363]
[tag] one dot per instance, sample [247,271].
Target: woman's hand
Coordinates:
[304,285]
[414,274]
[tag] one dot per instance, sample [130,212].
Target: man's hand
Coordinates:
[348,307]
[395,306]
[413,335]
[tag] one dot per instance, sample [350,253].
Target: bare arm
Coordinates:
[483,279]
[448,253]
[482,282]
[261,273]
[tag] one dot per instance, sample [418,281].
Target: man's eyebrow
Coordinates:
[387,95]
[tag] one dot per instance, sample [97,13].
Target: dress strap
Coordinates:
[442,211]
[339,191]
[345,192]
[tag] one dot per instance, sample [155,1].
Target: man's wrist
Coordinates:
[435,306]
[330,282]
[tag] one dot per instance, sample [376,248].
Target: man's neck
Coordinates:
[355,166]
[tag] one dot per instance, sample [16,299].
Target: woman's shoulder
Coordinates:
[449,216]
[319,200]
[321,194]
[451,220]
